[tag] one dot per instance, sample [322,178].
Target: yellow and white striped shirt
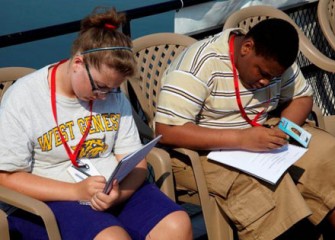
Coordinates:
[198,87]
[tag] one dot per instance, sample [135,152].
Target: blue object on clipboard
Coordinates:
[295,131]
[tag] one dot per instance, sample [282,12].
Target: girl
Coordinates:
[69,117]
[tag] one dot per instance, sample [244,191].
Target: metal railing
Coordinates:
[322,82]
[132,14]
[74,26]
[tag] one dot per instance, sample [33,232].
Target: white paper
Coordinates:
[128,163]
[268,166]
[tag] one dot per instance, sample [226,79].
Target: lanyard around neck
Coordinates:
[72,155]
[253,122]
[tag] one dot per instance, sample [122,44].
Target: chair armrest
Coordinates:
[199,178]
[4,229]
[205,200]
[159,159]
[325,22]
[329,124]
[33,206]
[314,55]
[318,117]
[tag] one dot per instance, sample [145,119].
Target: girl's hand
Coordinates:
[90,186]
[101,201]
[262,139]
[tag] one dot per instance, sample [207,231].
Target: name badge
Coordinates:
[86,170]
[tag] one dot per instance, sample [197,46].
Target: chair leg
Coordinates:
[4,228]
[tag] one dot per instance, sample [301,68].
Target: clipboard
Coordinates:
[128,163]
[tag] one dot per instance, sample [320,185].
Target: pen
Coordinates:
[267,126]
[82,171]
[79,176]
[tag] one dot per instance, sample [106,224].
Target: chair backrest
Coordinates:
[8,75]
[247,17]
[154,53]
[326,17]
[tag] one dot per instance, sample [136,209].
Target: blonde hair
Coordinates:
[99,30]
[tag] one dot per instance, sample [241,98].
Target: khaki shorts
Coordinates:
[263,211]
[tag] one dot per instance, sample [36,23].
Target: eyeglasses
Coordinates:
[99,90]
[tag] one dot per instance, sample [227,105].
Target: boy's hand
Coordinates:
[262,139]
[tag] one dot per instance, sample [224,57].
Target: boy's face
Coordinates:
[255,71]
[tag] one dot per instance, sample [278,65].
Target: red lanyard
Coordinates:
[253,122]
[72,155]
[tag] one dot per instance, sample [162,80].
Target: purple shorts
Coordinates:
[146,207]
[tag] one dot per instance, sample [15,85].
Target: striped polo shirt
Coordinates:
[198,87]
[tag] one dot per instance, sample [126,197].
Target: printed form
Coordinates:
[268,166]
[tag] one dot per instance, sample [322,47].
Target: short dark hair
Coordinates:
[276,39]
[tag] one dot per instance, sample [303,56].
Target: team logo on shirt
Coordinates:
[92,148]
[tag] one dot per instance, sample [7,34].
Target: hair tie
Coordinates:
[110,26]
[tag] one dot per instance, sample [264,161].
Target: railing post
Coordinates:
[126,28]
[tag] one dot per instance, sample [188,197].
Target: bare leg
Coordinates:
[113,233]
[176,226]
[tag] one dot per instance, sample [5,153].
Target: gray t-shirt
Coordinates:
[29,139]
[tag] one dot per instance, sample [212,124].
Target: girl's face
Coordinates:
[89,84]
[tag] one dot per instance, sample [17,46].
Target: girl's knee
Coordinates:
[180,220]
[176,225]
[113,233]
